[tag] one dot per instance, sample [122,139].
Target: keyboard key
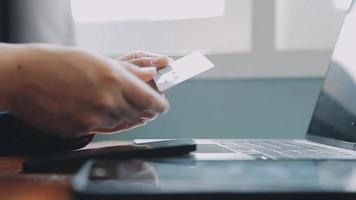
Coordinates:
[283,149]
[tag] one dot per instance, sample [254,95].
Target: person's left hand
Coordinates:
[143,65]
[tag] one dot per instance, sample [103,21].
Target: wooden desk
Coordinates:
[17,186]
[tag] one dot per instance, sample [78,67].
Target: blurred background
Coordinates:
[270,56]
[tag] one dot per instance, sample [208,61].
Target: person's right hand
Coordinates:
[71,92]
[139,63]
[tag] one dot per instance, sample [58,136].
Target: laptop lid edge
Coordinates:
[331,142]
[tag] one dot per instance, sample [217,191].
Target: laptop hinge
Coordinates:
[332,142]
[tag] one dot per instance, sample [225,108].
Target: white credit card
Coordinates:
[182,70]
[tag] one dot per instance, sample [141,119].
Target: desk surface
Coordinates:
[17,186]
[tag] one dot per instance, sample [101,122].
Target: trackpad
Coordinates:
[212,148]
[217,152]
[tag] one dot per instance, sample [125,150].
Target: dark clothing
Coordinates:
[17,137]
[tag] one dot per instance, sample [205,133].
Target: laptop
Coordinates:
[332,130]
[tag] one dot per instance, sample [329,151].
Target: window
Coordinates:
[316,28]
[145,10]
[186,25]
[244,38]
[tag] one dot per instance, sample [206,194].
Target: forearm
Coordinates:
[8,73]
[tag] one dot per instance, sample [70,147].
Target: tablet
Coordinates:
[187,179]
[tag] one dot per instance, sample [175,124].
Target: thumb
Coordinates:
[145,74]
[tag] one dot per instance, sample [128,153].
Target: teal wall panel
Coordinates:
[271,108]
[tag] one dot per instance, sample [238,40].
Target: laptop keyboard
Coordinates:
[283,149]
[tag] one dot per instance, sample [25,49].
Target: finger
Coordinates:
[158,62]
[131,125]
[145,117]
[153,85]
[141,96]
[137,54]
[145,74]
[108,125]
[124,126]
[126,111]
[149,115]
[123,112]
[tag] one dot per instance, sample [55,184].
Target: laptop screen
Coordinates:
[335,113]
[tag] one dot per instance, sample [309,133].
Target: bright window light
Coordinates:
[145,10]
[342,4]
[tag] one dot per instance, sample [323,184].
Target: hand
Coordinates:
[71,92]
[146,59]
[144,65]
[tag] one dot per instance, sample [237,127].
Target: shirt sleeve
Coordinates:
[18,137]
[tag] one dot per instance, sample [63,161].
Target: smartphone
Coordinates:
[70,162]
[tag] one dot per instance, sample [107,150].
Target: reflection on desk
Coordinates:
[17,186]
